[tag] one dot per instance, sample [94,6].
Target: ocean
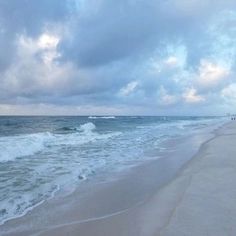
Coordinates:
[41,155]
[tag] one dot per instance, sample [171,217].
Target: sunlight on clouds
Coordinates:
[35,70]
[191,96]
[157,65]
[211,74]
[47,41]
[156,55]
[171,61]
[49,44]
[45,46]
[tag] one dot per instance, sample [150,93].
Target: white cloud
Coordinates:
[129,88]
[211,75]
[191,96]
[171,61]
[47,58]
[45,46]
[173,58]
[36,71]
[47,41]
[229,92]
[166,98]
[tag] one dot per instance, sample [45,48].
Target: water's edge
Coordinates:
[125,178]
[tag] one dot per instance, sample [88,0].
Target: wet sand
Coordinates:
[173,195]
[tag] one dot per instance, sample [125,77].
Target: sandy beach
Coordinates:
[118,118]
[190,192]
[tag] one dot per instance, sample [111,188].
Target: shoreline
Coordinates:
[109,189]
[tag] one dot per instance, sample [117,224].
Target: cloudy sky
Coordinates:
[119,57]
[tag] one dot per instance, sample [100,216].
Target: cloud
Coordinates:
[166,99]
[112,33]
[229,92]
[191,96]
[36,74]
[211,74]
[145,56]
[171,61]
[129,88]
[26,17]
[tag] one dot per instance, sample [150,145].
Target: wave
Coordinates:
[65,129]
[87,133]
[173,126]
[102,117]
[21,206]
[67,166]
[87,127]
[12,147]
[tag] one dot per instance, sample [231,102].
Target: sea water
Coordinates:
[40,155]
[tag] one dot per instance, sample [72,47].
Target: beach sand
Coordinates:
[161,197]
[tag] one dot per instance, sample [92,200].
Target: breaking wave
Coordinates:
[12,147]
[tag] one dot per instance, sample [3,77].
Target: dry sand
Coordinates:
[199,201]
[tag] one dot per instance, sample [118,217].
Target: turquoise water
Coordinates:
[40,155]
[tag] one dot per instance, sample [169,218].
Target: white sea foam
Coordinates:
[12,147]
[71,154]
[87,127]
[26,200]
[22,145]
[102,117]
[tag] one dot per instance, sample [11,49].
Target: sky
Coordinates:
[117,57]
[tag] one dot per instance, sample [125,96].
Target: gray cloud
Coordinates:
[29,17]
[118,29]
[148,55]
